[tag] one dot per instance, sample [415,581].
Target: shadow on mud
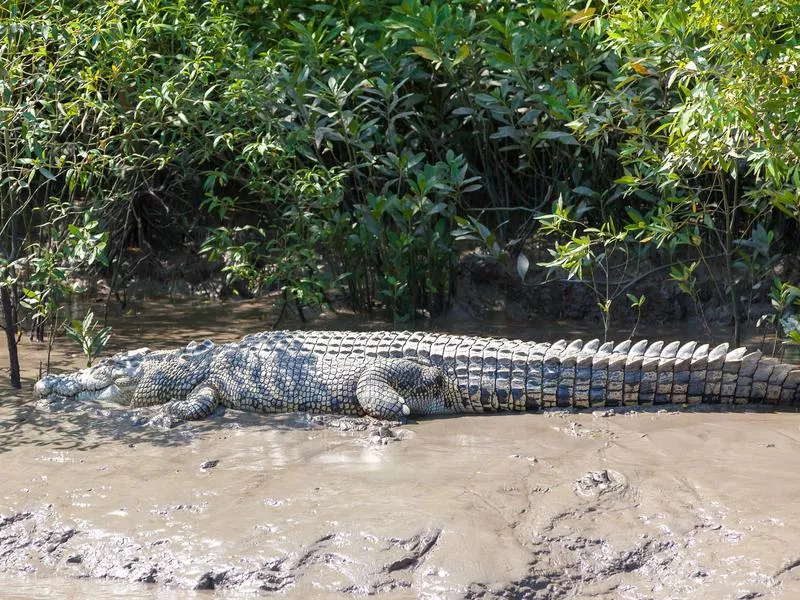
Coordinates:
[89,425]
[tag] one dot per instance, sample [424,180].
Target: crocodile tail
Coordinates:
[640,374]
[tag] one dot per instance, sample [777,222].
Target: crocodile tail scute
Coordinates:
[592,375]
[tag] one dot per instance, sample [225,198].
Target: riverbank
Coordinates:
[657,504]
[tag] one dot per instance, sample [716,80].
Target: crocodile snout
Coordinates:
[42,387]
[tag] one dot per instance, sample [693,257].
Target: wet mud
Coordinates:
[661,504]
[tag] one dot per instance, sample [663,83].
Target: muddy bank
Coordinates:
[637,505]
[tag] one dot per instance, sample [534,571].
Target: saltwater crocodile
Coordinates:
[391,375]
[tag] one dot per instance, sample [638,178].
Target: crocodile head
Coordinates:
[138,378]
[114,378]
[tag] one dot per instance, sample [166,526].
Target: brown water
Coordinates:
[639,505]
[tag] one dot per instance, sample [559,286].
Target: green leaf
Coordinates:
[522,266]
[462,111]
[635,216]
[506,131]
[463,52]
[47,173]
[505,58]
[582,190]
[560,136]
[426,53]
[582,16]
[486,100]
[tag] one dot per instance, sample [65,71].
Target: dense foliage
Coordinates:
[307,145]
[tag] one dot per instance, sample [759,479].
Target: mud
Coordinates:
[663,504]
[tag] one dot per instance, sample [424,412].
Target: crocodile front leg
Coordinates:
[199,404]
[394,389]
[378,398]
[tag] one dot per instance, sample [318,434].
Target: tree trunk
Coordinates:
[11,338]
[730,205]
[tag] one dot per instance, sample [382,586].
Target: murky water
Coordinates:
[641,505]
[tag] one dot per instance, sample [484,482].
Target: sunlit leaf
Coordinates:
[463,52]
[426,53]
[582,16]
[522,266]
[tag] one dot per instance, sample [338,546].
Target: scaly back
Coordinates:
[499,374]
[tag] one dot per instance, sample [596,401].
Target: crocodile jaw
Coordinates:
[113,379]
[76,387]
